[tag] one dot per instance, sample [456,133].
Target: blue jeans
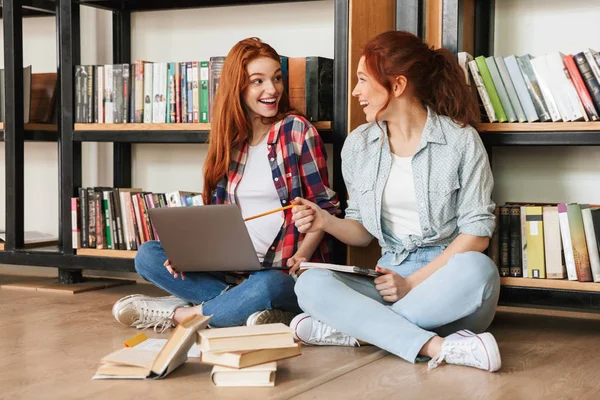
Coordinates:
[263,290]
[463,294]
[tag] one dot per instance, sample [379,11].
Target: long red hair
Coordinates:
[230,126]
[434,75]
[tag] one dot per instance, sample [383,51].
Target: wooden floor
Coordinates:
[52,343]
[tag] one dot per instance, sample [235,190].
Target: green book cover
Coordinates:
[490,88]
[580,251]
[107,219]
[204,91]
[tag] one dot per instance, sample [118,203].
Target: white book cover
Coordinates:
[483,94]
[524,242]
[521,87]
[510,89]
[544,77]
[555,268]
[100,95]
[592,244]
[109,95]
[148,95]
[502,93]
[589,56]
[565,234]
[162,104]
[564,83]
[156,94]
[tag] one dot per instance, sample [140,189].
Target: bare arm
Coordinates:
[462,244]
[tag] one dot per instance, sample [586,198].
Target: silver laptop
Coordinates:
[205,238]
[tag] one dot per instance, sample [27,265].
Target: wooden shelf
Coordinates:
[325,125]
[107,253]
[554,284]
[154,5]
[539,127]
[37,127]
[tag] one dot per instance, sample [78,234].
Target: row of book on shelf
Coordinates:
[117,218]
[241,356]
[547,241]
[552,87]
[184,92]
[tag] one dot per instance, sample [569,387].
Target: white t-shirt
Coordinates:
[399,210]
[256,194]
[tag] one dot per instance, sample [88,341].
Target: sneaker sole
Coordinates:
[492,351]
[274,316]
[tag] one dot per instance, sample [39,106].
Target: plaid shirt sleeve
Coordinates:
[313,171]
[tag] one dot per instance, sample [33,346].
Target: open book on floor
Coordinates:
[249,358]
[341,268]
[258,375]
[136,363]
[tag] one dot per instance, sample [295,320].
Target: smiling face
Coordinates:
[265,86]
[371,95]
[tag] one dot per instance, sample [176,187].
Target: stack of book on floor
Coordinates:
[247,355]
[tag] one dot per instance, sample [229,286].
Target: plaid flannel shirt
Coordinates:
[299,168]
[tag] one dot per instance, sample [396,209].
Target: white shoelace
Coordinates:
[457,352]
[159,319]
[326,334]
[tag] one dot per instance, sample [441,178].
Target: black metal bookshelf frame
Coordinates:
[69,264]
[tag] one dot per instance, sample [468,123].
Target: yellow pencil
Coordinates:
[269,212]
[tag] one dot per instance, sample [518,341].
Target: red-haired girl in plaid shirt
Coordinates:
[262,155]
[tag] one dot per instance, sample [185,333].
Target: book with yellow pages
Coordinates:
[240,338]
[258,375]
[136,363]
[249,358]
[341,268]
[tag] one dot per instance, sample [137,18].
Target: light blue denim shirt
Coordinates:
[452,178]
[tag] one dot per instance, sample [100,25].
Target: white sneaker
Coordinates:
[270,317]
[312,331]
[479,351]
[143,312]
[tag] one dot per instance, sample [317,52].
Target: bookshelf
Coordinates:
[70,136]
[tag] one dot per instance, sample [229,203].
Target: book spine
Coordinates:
[592,63]
[565,234]
[204,91]
[504,241]
[132,200]
[89,95]
[119,220]
[521,88]
[100,221]
[524,242]
[91,220]
[540,67]
[536,267]
[172,113]
[190,93]
[483,94]
[139,92]
[100,95]
[195,92]
[177,87]
[108,95]
[555,268]
[510,89]
[105,203]
[164,81]
[215,69]
[126,92]
[78,93]
[591,242]
[533,87]
[595,213]
[95,94]
[588,78]
[490,88]
[118,93]
[83,216]
[515,242]
[148,93]
[582,92]
[75,228]
[580,251]
[500,89]
[156,93]
[183,91]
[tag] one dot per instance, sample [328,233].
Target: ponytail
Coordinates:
[434,75]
